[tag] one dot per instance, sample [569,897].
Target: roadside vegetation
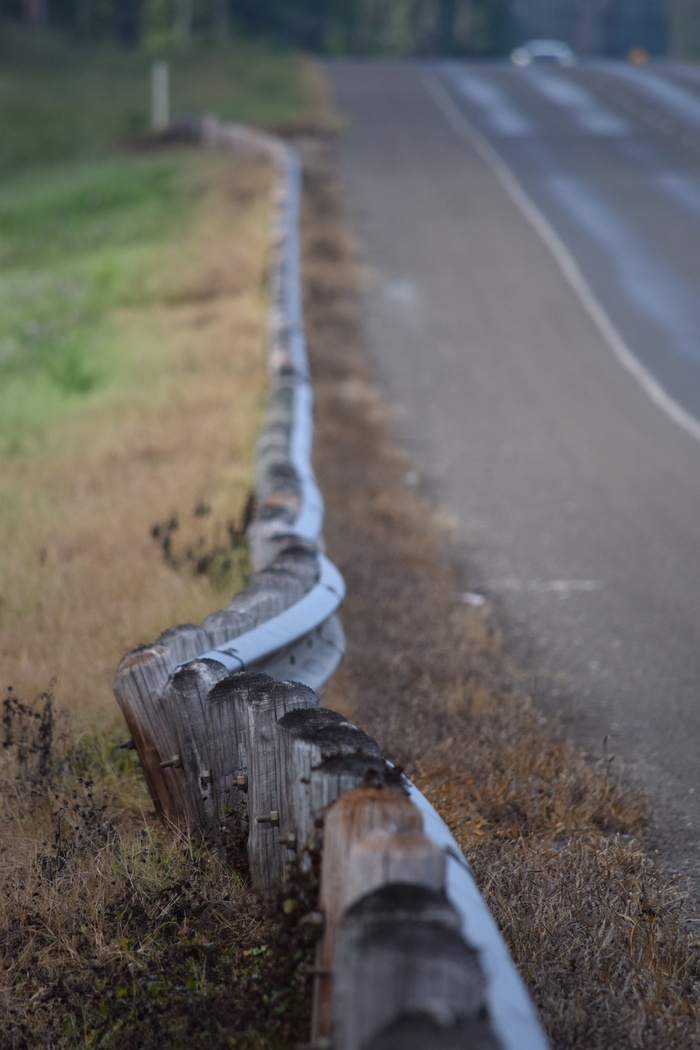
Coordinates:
[132,381]
[63,99]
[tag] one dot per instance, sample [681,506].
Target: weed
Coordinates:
[220,554]
[30,766]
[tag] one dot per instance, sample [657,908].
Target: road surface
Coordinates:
[533,241]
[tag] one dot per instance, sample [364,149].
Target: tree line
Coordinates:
[402,27]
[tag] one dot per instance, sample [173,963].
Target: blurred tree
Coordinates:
[684,17]
[128,22]
[182,21]
[447,11]
[220,17]
[36,13]
[408,27]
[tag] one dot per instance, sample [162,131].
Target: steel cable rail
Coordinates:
[217,736]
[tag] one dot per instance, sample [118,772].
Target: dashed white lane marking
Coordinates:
[505,118]
[585,109]
[563,257]
[560,587]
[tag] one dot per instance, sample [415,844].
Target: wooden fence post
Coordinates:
[353,816]
[403,975]
[384,857]
[185,702]
[185,642]
[337,774]
[269,593]
[267,705]
[224,624]
[308,739]
[138,687]
[227,704]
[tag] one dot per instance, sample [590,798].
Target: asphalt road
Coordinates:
[532,239]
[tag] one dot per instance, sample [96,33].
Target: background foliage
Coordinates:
[409,27]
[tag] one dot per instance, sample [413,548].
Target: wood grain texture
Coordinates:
[384,857]
[138,685]
[185,703]
[351,818]
[401,961]
[185,641]
[308,738]
[266,780]
[225,715]
[338,774]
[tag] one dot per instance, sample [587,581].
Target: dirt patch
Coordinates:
[600,936]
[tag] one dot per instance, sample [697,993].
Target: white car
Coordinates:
[552,52]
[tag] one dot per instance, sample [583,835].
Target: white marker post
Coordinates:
[160,95]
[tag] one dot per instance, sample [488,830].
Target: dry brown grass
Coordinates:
[118,933]
[600,936]
[81,577]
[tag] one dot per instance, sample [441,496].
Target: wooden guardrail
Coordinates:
[233,742]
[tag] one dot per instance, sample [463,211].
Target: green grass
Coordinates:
[81,219]
[76,244]
[61,101]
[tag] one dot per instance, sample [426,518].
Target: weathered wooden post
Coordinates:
[403,975]
[138,687]
[337,774]
[186,703]
[269,593]
[384,857]
[285,580]
[224,625]
[187,721]
[310,739]
[185,642]
[265,784]
[227,705]
[401,969]
[352,817]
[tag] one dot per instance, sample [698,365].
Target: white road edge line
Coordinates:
[562,256]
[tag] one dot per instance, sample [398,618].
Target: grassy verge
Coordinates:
[133,401]
[132,381]
[132,314]
[600,936]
